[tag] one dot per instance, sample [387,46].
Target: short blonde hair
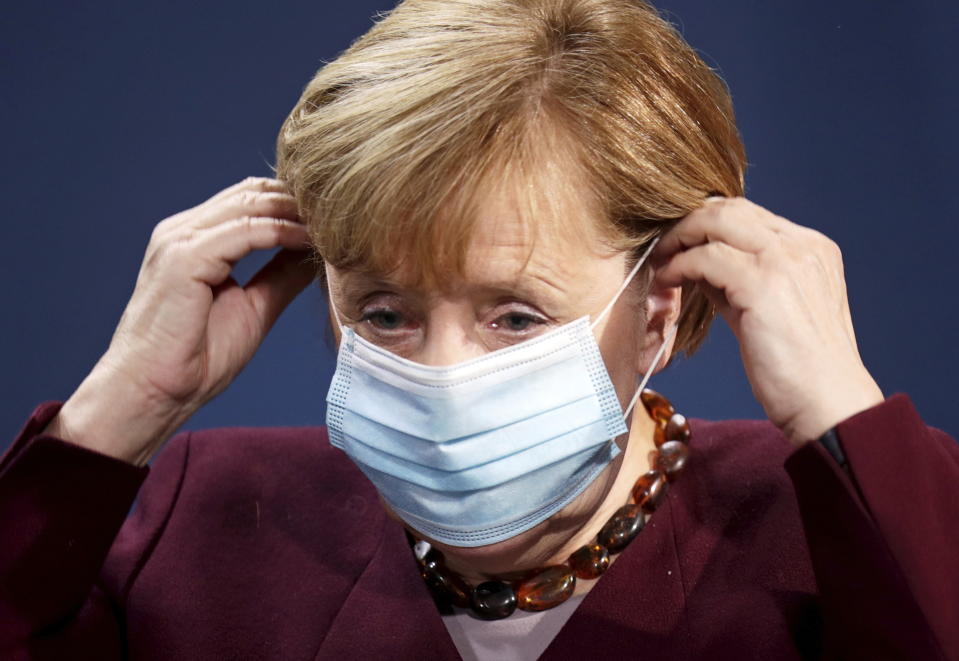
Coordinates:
[392,143]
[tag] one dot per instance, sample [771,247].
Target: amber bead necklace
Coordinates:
[545,587]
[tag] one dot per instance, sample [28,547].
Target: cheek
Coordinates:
[619,344]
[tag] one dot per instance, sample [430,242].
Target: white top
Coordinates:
[520,637]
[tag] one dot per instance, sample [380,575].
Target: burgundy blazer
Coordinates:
[270,544]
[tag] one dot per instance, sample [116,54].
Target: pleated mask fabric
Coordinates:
[477,452]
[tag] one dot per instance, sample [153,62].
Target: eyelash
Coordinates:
[369,316]
[535,320]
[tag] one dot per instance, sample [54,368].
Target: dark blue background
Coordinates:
[116,115]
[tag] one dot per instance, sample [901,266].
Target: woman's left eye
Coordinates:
[517,322]
[382,319]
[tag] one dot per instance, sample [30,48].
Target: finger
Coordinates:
[717,297]
[736,221]
[280,281]
[255,184]
[719,265]
[240,204]
[220,247]
[246,203]
[203,213]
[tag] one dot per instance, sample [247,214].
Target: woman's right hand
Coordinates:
[189,327]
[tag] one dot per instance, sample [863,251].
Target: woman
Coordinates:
[520,209]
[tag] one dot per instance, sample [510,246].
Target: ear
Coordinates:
[663,305]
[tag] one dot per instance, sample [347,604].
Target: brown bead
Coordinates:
[658,406]
[590,561]
[432,559]
[442,582]
[644,482]
[649,490]
[546,588]
[621,528]
[677,429]
[493,600]
[671,458]
[659,434]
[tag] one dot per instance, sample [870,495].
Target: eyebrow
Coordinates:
[354,285]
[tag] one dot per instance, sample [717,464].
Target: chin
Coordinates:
[535,546]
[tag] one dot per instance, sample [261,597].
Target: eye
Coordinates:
[384,319]
[515,322]
[518,322]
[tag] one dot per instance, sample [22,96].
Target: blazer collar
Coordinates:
[638,606]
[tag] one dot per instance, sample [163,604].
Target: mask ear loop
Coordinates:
[649,372]
[622,287]
[666,339]
[336,315]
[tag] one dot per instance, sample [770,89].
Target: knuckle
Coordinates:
[723,210]
[156,236]
[724,221]
[832,247]
[270,204]
[258,183]
[160,241]
[166,226]
[219,268]
[278,227]
[835,253]
[248,199]
[152,257]
[718,249]
[825,244]
[160,254]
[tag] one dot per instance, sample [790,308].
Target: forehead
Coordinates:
[521,233]
[516,235]
[524,192]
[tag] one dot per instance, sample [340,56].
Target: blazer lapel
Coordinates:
[389,614]
[636,608]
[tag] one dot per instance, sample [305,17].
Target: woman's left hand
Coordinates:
[781,288]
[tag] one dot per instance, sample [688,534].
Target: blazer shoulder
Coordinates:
[753,440]
[740,463]
[264,443]
[282,463]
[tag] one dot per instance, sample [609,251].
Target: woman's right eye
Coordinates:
[384,319]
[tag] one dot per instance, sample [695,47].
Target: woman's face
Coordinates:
[513,288]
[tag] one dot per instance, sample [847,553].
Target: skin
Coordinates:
[781,289]
[189,328]
[510,292]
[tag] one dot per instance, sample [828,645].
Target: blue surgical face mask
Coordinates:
[477,452]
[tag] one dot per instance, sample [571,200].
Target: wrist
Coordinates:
[110,416]
[831,407]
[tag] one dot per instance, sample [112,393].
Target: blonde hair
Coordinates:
[393,142]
